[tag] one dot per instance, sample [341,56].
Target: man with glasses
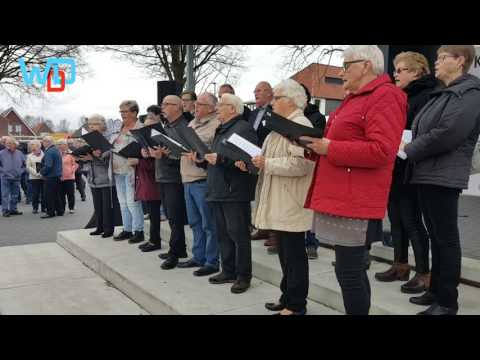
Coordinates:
[228,89]
[188,104]
[167,173]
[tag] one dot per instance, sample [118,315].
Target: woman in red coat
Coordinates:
[353,173]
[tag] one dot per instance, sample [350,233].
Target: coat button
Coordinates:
[349,170]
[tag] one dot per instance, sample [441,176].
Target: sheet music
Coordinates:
[251,149]
[155,133]
[84,131]
[407,136]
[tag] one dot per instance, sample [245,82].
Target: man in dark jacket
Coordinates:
[12,166]
[167,174]
[444,135]
[228,89]
[230,191]
[51,170]
[263,97]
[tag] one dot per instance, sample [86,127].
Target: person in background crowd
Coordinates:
[412,75]
[25,185]
[79,181]
[445,132]
[124,175]
[34,160]
[352,179]
[51,171]
[188,104]
[167,174]
[101,183]
[2,146]
[283,182]
[199,212]
[12,166]
[147,190]
[228,89]
[230,191]
[319,121]
[67,181]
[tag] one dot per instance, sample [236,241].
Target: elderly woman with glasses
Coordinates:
[354,167]
[412,75]
[444,135]
[284,179]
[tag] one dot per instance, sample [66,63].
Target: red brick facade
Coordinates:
[18,127]
[313,77]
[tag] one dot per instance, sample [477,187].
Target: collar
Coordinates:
[175,123]
[374,84]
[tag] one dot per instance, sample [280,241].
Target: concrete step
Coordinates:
[324,289]
[177,291]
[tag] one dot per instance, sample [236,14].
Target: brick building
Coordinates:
[12,124]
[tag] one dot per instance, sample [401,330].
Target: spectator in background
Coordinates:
[12,166]
[51,172]
[188,104]
[67,181]
[2,146]
[79,181]
[412,75]
[228,89]
[34,161]
[444,134]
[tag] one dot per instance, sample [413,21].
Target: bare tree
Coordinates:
[298,56]
[11,81]
[211,62]
[63,126]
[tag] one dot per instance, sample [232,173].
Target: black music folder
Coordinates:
[290,129]
[132,150]
[82,150]
[237,148]
[97,141]
[173,145]
[38,166]
[191,138]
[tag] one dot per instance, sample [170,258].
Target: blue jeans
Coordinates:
[200,219]
[311,240]
[132,212]
[10,194]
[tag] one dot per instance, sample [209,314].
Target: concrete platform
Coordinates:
[176,291]
[44,279]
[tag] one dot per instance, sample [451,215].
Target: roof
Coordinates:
[38,127]
[313,77]
[11,109]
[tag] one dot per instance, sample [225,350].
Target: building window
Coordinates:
[18,129]
[10,129]
[333,81]
[331,105]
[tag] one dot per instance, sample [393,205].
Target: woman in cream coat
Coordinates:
[282,188]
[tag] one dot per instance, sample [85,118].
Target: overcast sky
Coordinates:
[112,81]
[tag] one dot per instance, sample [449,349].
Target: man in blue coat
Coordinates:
[51,171]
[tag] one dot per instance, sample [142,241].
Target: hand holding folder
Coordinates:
[173,145]
[97,141]
[192,140]
[132,150]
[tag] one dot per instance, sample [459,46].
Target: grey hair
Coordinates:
[132,105]
[235,101]
[367,52]
[35,142]
[11,139]
[178,99]
[211,98]
[100,118]
[293,90]
[48,139]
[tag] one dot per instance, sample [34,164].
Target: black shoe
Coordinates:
[47,216]
[124,235]
[16,212]
[138,237]
[274,306]
[165,256]
[35,212]
[222,278]
[147,247]
[6,214]
[83,199]
[170,263]
[96,232]
[205,270]
[107,235]
[189,264]
[436,309]
[240,286]
[426,299]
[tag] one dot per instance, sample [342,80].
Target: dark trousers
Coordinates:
[173,200]
[80,184]
[352,277]
[104,208]
[51,189]
[154,209]
[294,263]
[440,211]
[233,233]
[38,196]
[68,191]
[407,225]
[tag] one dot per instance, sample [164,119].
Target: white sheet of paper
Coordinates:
[407,136]
[251,149]
[84,131]
[155,133]
[169,138]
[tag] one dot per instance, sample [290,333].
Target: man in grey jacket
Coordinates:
[12,166]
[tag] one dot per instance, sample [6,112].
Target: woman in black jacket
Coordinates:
[412,74]
[444,135]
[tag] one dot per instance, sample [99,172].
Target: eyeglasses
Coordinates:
[202,104]
[442,58]
[400,70]
[347,64]
[169,104]
[276,98]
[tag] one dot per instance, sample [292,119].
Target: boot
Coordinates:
[396,272]
[418,284]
